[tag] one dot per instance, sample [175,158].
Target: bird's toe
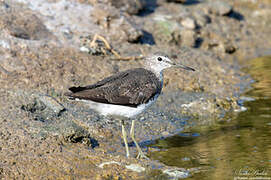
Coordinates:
[141,155]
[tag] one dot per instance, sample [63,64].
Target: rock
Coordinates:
[177,173]
[103,14]
[123,29]
[189,23]
[163,30]
[201,18]
[167,30]
[188,38]
[52,103]
[135,167]
[119,27]
[24,24]
[72,133]
[129,6]
[43,108]
[220,8]
[47,117]
[219,40]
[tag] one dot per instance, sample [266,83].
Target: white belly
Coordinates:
[112,109]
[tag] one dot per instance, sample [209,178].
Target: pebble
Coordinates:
[107,163]
[4,44]
[165,133]
[242,108]
[187,105]
[176,173]
[142,118]
[135,167]
[84,49]
[189,23]
[186,159]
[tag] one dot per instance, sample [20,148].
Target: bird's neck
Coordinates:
[158,71]
[161,78]
[158,74]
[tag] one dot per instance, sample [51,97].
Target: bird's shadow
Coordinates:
[141,144]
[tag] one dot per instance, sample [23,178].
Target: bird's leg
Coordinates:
[132,134]
[124,136]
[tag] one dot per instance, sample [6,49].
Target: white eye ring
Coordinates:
[159,59]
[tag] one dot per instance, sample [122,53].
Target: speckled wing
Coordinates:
[129,88]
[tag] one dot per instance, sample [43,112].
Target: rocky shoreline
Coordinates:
[47,46]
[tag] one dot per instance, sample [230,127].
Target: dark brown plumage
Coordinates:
[129,88]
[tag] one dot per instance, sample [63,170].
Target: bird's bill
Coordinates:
[183,67]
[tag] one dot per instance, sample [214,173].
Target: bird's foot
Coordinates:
[141,155]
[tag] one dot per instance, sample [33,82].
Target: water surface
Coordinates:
[237,147]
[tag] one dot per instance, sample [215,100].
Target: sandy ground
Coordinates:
[45,47]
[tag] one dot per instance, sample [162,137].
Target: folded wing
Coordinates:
[129,88]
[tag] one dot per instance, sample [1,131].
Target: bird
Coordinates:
[128,93]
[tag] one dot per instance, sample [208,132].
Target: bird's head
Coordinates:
[158,63]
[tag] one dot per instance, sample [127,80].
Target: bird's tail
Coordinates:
[76,89]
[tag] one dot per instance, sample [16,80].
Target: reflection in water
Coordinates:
[239,146]
[260,69]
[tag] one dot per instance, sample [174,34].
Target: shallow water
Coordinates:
[237,147]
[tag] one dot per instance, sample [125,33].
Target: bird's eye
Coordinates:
[159,59]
